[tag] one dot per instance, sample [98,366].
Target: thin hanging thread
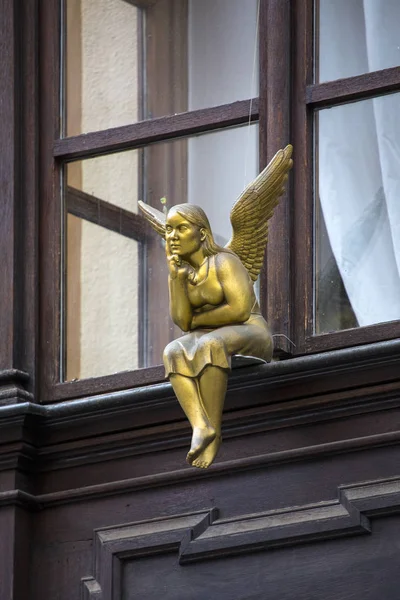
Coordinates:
[285,336]
[253,78]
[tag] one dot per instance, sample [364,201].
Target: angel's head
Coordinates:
[198,219]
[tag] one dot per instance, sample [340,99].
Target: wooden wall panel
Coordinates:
[15,550]
[18,184]
[303,501]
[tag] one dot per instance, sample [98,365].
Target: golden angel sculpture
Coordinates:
[212,299]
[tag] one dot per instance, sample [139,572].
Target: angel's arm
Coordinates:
[179,305]
[237,290]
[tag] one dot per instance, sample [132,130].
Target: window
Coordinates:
[342,227]
[158,102]
[178,100]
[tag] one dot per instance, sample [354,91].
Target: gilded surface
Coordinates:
[212,299]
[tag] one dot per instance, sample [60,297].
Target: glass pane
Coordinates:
[222,56]
[357,274]
[123,63]
[116,275]
[102,301]
[356,36]
[113,178]
[102,70]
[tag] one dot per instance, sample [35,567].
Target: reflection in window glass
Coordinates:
[356,36]
[116,275]
[124,63]
[358,214]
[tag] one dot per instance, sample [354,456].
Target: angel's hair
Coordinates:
[197,216]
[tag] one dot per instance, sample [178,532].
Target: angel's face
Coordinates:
[183,238]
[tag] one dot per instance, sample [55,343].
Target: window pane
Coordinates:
[102,70]
[102,301]
[356,36]
[113,178]
[116,275]
[222,56]
[125,63]
[358,214]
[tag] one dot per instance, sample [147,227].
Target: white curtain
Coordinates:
[359,156]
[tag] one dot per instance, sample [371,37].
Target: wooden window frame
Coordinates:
[284,109]
[55,151]
[290,294]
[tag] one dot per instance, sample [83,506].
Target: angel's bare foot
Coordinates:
[202,437]
[206,458]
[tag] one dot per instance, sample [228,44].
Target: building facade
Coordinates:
[104,103]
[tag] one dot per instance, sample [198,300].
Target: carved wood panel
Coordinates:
[153,559]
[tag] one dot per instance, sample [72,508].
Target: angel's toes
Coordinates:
[202,464]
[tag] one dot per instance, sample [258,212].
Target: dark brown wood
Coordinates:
[104,214]
[51,206]
[6,523]
[155,130]
[142,3]
[353,337]
[319,96]
[316,36]
[10,177]
[18,172]
[165,165]
[275,133]
[29,215]
[331,93]
[108,383]
[303,500]
[302,239]
[113,500]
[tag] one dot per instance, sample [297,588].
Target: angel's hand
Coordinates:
[177,268]
[174,267]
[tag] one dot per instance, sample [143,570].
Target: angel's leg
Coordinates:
[212,384]
[187,392]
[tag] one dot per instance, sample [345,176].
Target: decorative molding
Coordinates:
[18,498]
[13,375]
[233,466]
[12,387]
[14,394]
[20,456]
[133,540]
[348,515]
[246,421]
[356,360]
[90,589]
[200,536]
[140,421]
[184,475]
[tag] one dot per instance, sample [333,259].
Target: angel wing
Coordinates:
[155,217]
[253,209]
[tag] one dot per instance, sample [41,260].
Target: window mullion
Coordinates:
[303,199]
[275,133]
[359,87]
[107,215]
[154,130]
